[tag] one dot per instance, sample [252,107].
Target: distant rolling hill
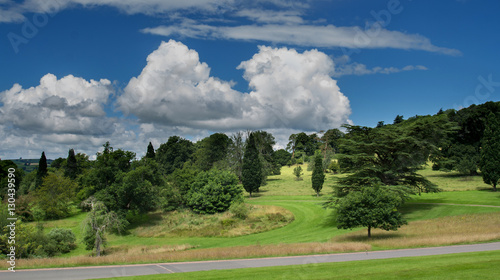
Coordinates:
[29,165]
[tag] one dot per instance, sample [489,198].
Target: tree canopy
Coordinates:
[371,207]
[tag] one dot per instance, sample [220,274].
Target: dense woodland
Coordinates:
[212,174]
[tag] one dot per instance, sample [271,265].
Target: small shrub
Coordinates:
[64,239]
[228,222]
[334,167]
[297,171]
[239,210]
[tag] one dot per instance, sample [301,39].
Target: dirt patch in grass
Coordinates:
[436,232]
[185,223]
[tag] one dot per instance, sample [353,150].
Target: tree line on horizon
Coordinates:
[210,175]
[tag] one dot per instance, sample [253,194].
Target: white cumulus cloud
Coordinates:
[289,90]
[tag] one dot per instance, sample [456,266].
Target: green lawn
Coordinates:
[481,265]
[454,181]
[312,223]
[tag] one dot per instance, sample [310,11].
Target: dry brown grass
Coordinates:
[184,253]
[184,223]
[442,231]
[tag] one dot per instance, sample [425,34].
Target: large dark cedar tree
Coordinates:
[490,151]
[251,170]
[318,177]
[391,155]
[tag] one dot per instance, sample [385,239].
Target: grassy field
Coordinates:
[482,265]
[470,216]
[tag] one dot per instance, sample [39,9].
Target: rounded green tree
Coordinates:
[372,207]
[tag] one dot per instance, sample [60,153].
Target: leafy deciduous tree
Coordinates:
[173,154]
[55,195]
[371,207]
[98,221]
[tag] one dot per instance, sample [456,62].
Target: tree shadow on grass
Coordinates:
[149,219]
[487,189]
[410,208]
[274,179]
[375,236]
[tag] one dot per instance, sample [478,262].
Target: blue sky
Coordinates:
[77,73]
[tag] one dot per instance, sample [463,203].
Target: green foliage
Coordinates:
[5,179]
[282,157]
[106,169]
[372,207]
[331,140]
[71,168]
[390,155]
[136,191]
[318,176]
[213,191]
[55,195]
[461,150]
[62,240]
[239,210]
[334,166]
[210,150]
[58,163]
[42,170]
[173,154]
[252,167]
[297,171]
[235,154]
[150,152]
[490,151]
[398,119]
[180,182]
[32,242]
[97,223]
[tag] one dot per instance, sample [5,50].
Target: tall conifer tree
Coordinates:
[151,151]
[318,177]
[42,170]
[490,151]
[252,168]
[71,169]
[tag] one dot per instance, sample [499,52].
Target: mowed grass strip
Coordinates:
[156,254]
[480,265]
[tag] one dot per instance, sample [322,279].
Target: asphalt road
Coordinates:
[148,269]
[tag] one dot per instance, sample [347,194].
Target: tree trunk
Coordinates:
[317,194]
[97,244]
[369,232]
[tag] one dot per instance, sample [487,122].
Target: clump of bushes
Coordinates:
[213,191]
